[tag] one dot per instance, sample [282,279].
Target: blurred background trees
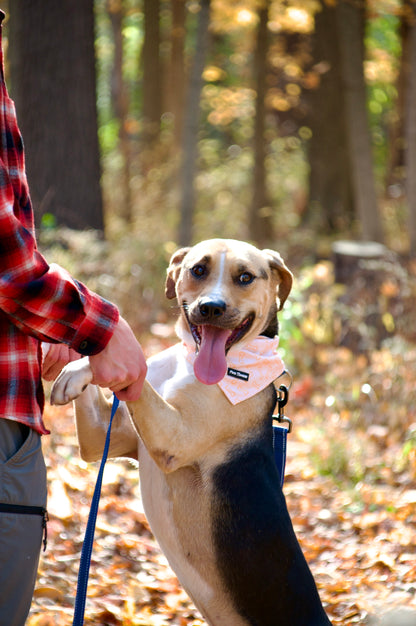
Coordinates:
[52,66]
[246,118]
[289,123]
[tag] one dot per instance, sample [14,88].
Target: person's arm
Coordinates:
[44,301]
[121,366]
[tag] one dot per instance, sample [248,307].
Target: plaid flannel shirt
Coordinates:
[38,302]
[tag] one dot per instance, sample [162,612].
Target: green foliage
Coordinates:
[108,137]
[224,187]
[225,180]
[292,342]
[130,267]
[48,221]
[130,271]
[383,47]
[409,448]
[340,455]
[104,48]
[132,32]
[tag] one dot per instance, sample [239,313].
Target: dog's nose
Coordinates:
[210,309]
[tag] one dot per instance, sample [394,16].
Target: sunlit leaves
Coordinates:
[351,471]
[228,105]
[351,500]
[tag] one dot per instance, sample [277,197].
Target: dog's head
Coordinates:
[228,291]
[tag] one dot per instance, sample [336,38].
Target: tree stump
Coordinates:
[360,316]
[350,257]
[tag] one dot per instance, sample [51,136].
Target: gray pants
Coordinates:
[23,482]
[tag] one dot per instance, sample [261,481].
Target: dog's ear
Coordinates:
[284,275]
[173,272]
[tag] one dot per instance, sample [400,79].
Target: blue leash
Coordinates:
[280,433]
[279,444]
[279,448]
[84,566]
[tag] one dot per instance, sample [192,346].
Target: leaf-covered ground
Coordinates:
[350,487]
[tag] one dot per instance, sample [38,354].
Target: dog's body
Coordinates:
[209,483]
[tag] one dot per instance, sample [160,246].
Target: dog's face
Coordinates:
[228,291]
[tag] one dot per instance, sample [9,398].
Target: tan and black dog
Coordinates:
[202,433]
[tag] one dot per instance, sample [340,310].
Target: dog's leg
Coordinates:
[174,435]
[171,435]
[92,414]
[162,430]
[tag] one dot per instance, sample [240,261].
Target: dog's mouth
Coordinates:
[233,336]
[213,343]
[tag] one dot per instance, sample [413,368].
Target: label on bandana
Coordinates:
[237,374]
[251,367]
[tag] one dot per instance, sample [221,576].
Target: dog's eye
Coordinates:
[198,271]
[245,278]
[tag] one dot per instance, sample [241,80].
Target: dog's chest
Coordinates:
[169,371]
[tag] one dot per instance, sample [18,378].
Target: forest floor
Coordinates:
[350,478]
[350,487]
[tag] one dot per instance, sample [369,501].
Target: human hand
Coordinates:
[121,366]
[55,357]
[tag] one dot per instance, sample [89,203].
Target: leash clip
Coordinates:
[45,520]
[282,399]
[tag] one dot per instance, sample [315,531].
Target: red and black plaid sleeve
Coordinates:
[38,301]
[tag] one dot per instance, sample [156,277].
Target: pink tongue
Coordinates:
[210,365]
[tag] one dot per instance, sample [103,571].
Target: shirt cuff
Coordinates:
[97,329]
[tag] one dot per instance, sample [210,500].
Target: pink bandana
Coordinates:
[250,367]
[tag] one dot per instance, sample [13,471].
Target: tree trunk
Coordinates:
[191,126]
[395,173]
[350,22]
[410,130]
[260,217]
[152,79]
[52,65]
[330,187]
[120,103]
[176,78]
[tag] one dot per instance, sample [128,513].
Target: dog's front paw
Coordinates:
[71,382]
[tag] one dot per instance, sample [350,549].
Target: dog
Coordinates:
[202,433]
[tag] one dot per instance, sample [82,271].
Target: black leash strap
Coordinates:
[280,432]
[21,509]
